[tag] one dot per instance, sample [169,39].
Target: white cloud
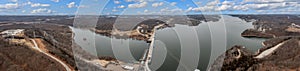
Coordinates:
[41,10]
[265,6]
[198,3]
[157,4]
[210,6]
[114,10]
[145,11]
[135,0]
[228,3]
[257,5]
[205,8]
[167,10]
[128,0]
[83,6]
[121,6]
[40,5]
[9,6]
[173,3]
[265,1]
[14,0]
[224,7]
[189,9]
[55,0]
[71,5]
[213,3]
[138,5]
[27,3]
[117,2]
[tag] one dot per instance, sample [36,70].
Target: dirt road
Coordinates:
[38,45]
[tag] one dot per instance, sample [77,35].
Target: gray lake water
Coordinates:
[169,48]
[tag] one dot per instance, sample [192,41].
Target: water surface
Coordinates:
[167,51]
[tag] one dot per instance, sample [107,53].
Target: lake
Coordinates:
[189,44]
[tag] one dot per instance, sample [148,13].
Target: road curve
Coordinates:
[58,60]
[269,51]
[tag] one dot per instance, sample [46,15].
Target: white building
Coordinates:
[128,67]
[11,32]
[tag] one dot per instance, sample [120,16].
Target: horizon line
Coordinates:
[149,15]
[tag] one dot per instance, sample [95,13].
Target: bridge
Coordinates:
[147,57]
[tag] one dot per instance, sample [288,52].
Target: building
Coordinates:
[128,67]
[144,29]
[9,33]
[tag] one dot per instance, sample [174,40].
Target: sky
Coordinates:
[148,7]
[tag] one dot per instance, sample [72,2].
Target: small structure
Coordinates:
[143,29]
[9,33]
[128,67]
[15,36]
[196,70]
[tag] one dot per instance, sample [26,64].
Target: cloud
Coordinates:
[71,5]
[9,6]
[157,4]
[117,2]
[41,10]
[14,0]
[167,10]
[40,5]
[146,11]
[210,6]
[121,6]
[114,10]
[83,6]
[205,8]
[173,3]
[246,5]
[226,5]
[198,3]
[213,3]
[189,9]
[269,1]
[135,0]
[55,0]
[265,6]
[138,5]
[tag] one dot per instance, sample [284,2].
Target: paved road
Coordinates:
[269,51]
[151,48]
[58,60]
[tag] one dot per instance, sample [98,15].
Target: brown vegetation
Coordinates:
[22,58]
